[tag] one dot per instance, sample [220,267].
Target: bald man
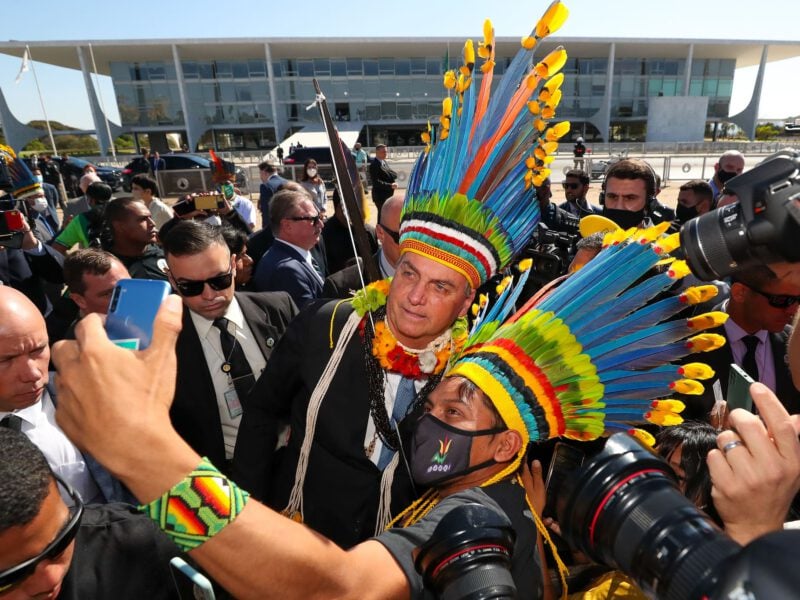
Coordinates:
[730,164]
[27,400]
[343,283]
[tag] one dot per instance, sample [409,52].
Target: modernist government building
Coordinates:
[253,93]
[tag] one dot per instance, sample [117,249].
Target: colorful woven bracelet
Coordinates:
[198,507]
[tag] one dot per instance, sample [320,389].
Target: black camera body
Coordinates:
[623,509]
[762,228]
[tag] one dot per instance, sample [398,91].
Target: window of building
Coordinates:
[402,66]
[305,68]
[338,67]
[257,68]
[354,67]
[322,67]
[386,66]
[240,69]
[370,67]
[433,66]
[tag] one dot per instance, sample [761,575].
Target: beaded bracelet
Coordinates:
[198,507]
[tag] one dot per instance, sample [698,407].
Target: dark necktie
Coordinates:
[12,422]
[235,362]
[749,363]
[315,264]
[402,401]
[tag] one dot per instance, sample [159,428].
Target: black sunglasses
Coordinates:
[313,220]
[189,288]
[778,300]
[392,234]
[14,575]
[571,186]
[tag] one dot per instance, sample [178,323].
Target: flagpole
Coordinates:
[41,101]
[102,104]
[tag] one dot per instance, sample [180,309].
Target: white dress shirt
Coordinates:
[66,461]
[212,350]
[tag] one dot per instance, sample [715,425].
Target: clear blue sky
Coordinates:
[65,96]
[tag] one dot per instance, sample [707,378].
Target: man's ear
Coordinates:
[738,291]
[79,300]
[508,446]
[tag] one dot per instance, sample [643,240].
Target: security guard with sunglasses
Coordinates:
[50,550]
[226,341]
[761,308]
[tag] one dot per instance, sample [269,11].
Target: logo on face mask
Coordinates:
[441,455]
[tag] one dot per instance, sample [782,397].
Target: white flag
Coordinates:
[24,67]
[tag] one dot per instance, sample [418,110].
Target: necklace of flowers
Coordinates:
[391,354]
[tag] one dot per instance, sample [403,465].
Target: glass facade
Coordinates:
[384,92]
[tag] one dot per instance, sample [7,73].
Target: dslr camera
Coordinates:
[762,228]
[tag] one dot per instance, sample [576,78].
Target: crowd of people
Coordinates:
[297,430]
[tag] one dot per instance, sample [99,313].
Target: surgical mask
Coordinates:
[39,204]
[725,176]
[39,178]
[685,213]
[624,218]
[311,172]
[440,452]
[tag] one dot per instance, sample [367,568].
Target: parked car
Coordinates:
[184,161]
[72,170]
[321,154]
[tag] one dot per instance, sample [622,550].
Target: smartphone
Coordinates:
[209,202]
[190,583]
[184,207]
[566,459]
[12,224]
[132,310]
[739,389]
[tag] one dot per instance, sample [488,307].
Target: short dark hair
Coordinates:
[700,188]
[99,192]
[235,238]
[282,205]
[267,166]
[695,439]
[26,478]
[115,210]
[592,242]
[633,168]
[86,260]
[379,146]
[754,277]
[144,181]
[580,175]
[192,237]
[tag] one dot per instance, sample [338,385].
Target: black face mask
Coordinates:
[725,176]
[685,213]
[624,218]
[440,452]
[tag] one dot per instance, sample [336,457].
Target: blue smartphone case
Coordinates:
[133,309]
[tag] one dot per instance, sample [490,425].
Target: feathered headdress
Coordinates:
[222,171]
[594,356]
[470,202]
[23,183]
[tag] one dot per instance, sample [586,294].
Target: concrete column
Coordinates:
[191,134]
[272,99]
[602,118]
[687,76]
[99,119]
[748,118]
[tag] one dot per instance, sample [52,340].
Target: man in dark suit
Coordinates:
[226,340]
[760,308]
[336,237]
[157,163]
[348,280]
[289,265]
[383,178]
[271,182]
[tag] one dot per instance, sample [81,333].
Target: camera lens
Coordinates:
[469,555]
[623,509]
[716,243]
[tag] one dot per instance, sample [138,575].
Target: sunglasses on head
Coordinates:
[14,575]
[778,300]
[313,220]
[392,234]
[190,287]
[571,186]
